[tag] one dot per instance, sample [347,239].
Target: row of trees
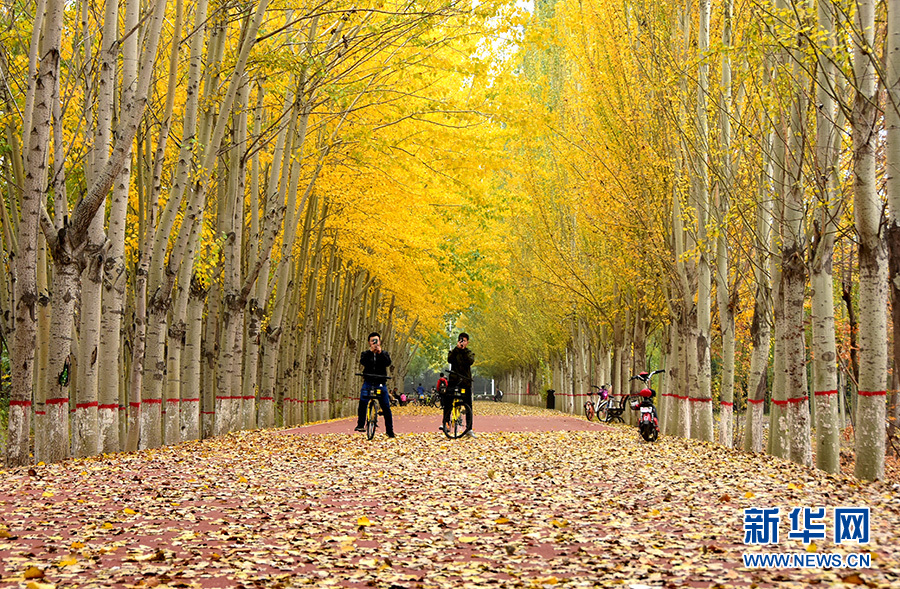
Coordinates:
[208,205]
[696,172]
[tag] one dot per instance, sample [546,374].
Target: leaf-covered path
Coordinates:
[554,508]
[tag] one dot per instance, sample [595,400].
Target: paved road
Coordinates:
[416,424]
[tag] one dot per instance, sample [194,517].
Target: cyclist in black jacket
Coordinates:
[375,362]
[461,359]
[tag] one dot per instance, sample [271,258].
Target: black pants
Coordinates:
[381,393]
[447,402]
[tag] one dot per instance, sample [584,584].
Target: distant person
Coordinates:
[441,384]
[375,362]
[461,359]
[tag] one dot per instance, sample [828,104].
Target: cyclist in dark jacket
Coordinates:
[375,362]
[461,359]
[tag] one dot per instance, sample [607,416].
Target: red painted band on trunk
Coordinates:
[727,404]
[20,403]
[40,413]
[248,398]
[86,405]
[788,401]
[823,393]
[208,412]
[152,401]
[173,400]
[756,401]
[871,393]
[701,400]
[267,398]
[109,406]
[133,404]
[58,401]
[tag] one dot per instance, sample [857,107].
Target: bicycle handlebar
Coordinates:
[373,376]
[646,378]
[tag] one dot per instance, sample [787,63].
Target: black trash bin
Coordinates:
[551,399]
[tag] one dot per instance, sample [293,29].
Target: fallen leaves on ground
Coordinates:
[560,509]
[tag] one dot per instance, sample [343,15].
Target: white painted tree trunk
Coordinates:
[86,426]
[191,365]
[65,289]
[42,372]
[723,288]
[892,180]
[870,412]
[37,134]
[793,275]
[825,387]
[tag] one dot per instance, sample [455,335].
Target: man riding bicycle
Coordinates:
[461,359]
[375,362]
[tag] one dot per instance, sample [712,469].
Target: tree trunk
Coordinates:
[726,300]
[37,131]
[892,177]
[870,415]
[825,391]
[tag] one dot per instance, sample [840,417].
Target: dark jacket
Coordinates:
[461,361]
[377,364]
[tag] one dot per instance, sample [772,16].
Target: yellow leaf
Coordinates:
[77,545]
[501,520]
[792,486]
[749,495]
[242,479]
[48,493]
[107,526]
[363,521]
[129,511]
[36,585]
[34,573]
[4,533]
[654,512]
[68,561]
[559,523]
[812,547]
[468,539]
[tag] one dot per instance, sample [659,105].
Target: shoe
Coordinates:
[469,434]
[391,436]
[359,429]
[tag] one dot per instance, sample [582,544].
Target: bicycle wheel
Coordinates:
[603,412]
[458,419]
[589,410]
[649,431]
[371,418]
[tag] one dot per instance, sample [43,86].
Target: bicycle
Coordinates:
[460,414]
[648,423]
[372,406]
[600,408]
